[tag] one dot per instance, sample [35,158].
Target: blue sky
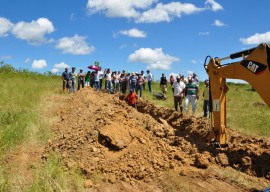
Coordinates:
[165,36]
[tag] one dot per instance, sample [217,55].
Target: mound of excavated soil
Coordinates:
[102,135]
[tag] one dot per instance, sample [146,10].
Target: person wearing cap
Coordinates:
[206,101]
[132,98]
[81,79]
[65,79]
[192,91]
[178,88]
[149,80]
[72,76]
[163,84]
[133,81]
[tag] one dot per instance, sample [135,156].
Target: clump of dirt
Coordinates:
[101,134]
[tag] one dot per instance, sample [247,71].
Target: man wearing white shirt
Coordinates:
[100,75]
[149,80]
[178,87]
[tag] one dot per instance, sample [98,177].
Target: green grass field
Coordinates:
[20,122]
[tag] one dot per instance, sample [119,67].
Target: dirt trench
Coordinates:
[112,142]
[248,154]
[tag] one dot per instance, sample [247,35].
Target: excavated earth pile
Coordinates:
[103,136]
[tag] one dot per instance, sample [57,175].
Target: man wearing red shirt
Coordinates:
[132,98]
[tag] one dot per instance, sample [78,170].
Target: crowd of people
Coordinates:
[184,89]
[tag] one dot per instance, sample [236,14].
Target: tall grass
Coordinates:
[20,121]
[20,94]
[247,112]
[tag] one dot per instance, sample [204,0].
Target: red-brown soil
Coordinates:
[119,148]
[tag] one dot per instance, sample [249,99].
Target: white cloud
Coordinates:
[133,33]
[39,64]
[154,57]
[256,39]
[5,26]
[204,33]
[166,12]
[75,45]
[61,65]
[118,8]
[55,70]
[147,11]
[214,6]
[218,23]
[33,32]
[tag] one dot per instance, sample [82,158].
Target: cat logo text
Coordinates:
[254,67]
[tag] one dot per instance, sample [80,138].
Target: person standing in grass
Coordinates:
[133,81]
[163,84]
[65,79]
[81,79]
[206,102]
[116,81]
[171,80]
[100,76]
[149,80]
[139,86]
[192,91]
[123,82]
[87,78]
[72,76]
[109,81]
[178,88]
[96,81]
[144,77]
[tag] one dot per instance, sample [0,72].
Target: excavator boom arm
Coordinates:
[254,68]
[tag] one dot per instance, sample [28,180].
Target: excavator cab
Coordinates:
[254,68]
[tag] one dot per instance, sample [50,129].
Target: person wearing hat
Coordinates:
[178,88]
[206,101]
[192,91]
[72,76]
[81,79]
[149,80]
[65,79]
[133,81]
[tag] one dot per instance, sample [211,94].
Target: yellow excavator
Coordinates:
[253,68]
